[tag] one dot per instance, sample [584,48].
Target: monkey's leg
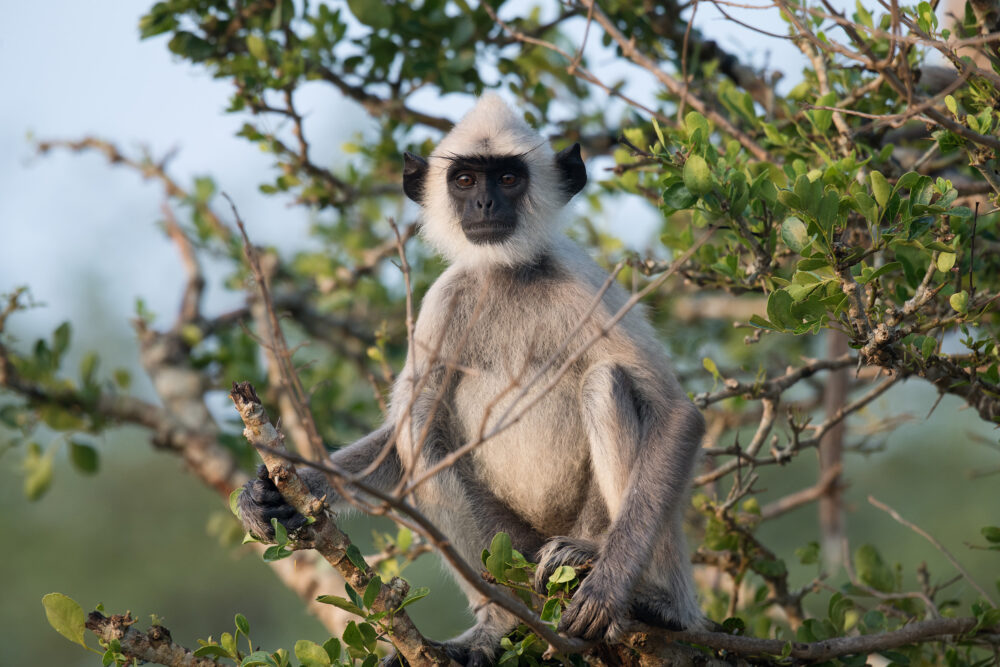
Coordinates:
[260,500]
[644,498]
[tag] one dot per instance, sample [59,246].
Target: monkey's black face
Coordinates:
[486,192]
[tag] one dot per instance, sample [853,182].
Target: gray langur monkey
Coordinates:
[596,470]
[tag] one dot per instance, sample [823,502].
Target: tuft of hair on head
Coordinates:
[494,129]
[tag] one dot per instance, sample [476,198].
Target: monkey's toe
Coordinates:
[597,610]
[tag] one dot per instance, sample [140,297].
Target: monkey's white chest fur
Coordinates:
[510,391]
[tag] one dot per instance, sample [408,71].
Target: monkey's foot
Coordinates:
[595,612]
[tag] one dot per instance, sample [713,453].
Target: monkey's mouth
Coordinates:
[487,232]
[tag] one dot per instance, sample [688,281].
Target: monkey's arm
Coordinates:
[642,450]
[260,501]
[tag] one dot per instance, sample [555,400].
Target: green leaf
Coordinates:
[258,658]
[212,651]
[280,533]
[562,575]
[234,498]
[37,472]
[552,611]
[415,594]
[821,118]
[83,456]
[711,368]
[122,378]
[372,590]
[332,648]
[500,555]
[872,570]
[678,197]
[276,552]
[66,617]
[242,624]
[352,637]
[907,180]
[779,308]
[881,271]
[354,555]
[960,301]
[790,199]
[311,654]
[794,234]
[257,47]
[697,176]
[946,261]
[354,597]
[949,102]
[808,554]
[928,346]
[404,538]
[827,212]
[695,121]
[991,533]
[372,14]
[761,323]
[342,603]
[659,134]
[369,635]
[880,188]
[867,207]
[874,621]
[60,339]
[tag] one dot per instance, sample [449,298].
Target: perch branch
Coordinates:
[324,536]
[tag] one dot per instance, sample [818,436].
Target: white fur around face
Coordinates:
[493,129]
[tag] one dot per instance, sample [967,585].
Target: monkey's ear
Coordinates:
[414,175]
[572,169]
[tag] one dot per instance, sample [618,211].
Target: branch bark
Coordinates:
[324,536]
[155,645]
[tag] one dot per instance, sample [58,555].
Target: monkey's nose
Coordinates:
[488,205]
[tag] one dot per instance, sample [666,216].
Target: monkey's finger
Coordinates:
[263,492]
[283,513]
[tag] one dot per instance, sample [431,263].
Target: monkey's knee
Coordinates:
[577,553]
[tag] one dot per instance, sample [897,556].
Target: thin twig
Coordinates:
[937,545]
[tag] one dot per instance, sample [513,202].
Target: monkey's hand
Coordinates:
[260,502]
[599,610]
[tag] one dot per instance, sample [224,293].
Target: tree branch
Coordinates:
[155,645]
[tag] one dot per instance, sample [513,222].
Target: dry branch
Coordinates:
[324,536]
[155,645]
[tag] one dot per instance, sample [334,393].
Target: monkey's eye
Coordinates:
[465,181]
[508,179]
